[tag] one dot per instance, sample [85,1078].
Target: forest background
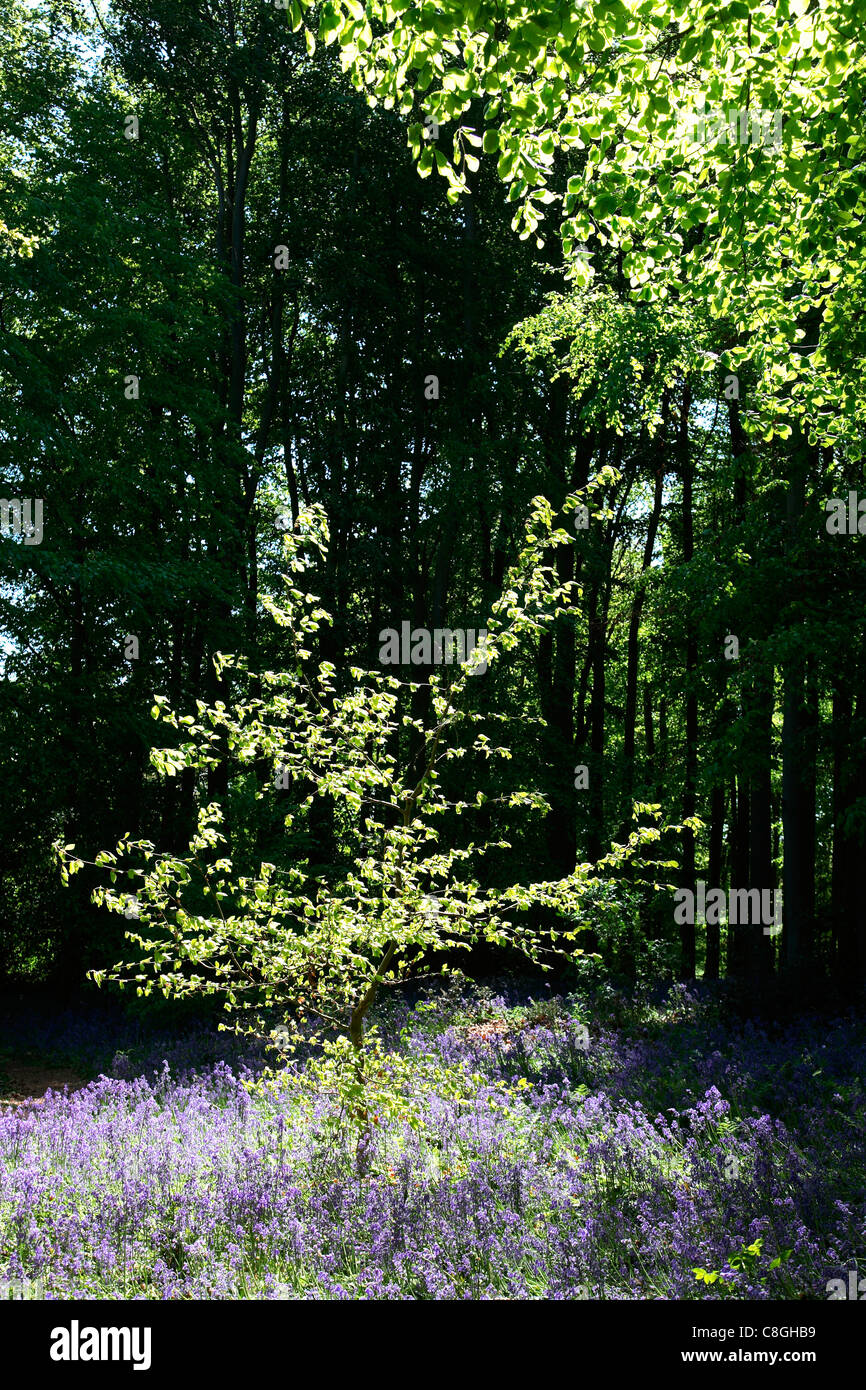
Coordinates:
[226,294]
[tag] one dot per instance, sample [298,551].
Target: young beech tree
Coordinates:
[271,945]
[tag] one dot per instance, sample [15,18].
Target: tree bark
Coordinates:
[687,935]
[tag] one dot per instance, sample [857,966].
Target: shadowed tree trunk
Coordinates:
[687,935]
[759,948]
[717,820]
[637,607]
[798,748]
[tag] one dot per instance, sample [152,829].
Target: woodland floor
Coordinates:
[22,1081]
[590,1145]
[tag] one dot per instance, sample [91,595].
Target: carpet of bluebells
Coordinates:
[589,1145]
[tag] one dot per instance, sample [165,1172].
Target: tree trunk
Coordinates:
[798,752]
[687,936]
[714,874]
[634,635]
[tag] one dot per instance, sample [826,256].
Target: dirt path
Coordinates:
[29,1083]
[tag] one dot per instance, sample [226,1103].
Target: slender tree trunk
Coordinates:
[855,858]
[845,961]
[760,949]
[798,751]
[687,937]
[649,738]
[597,632]
[632,657]
[737,949]
[714,871]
